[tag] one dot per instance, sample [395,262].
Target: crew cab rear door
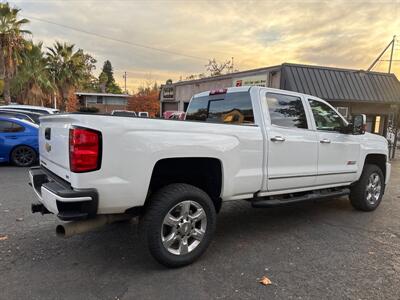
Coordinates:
[338,152]
[291,144]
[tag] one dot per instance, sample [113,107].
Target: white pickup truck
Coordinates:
[270,147]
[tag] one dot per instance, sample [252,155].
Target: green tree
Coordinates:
[33,83]
[103,81]
[106,80]
[70,70]
[11,44]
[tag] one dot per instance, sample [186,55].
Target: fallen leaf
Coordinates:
[20,219]
[265,280]
[3,237]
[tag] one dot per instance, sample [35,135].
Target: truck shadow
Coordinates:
[238,226]
[113,257]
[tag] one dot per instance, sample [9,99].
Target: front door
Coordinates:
[292,147]
[338,153]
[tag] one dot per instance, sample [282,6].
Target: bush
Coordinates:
[92,110]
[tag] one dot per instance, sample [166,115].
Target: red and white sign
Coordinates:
[258,80]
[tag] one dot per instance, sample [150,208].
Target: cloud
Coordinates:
[255,33]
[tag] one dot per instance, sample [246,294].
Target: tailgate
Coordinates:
[54,144]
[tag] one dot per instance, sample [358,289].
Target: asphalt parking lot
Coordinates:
[311,251]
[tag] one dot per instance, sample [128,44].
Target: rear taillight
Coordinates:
[84,150]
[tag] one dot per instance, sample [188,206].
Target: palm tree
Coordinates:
[33,82]
[70,69]
[11,43]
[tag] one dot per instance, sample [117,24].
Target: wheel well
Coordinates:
[377,159]
[204,173]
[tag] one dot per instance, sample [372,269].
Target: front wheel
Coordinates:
[178,224]
[367,193]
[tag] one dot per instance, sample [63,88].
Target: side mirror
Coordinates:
[359,124]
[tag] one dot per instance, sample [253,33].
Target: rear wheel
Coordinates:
[23,156]
[179,224]
[367,193]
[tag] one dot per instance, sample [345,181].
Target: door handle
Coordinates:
[325,141]
[278,139]
[11,137]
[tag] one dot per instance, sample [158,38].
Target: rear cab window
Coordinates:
[228,108]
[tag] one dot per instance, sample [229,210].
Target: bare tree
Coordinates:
[215,68]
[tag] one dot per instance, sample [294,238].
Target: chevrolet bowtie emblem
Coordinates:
[48,147]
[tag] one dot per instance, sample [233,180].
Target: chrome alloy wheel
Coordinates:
[374,187]
[183,227]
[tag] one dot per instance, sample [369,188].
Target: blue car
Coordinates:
[19,142]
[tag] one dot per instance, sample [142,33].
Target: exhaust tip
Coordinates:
[60,231]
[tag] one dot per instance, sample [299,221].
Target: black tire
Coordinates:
[359,192]
[23,156]
[152,225]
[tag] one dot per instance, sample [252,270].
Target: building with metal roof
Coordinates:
[334,84]
[351,91]
[103,102]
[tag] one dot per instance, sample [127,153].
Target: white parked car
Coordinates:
[32,108]
[267,146]
[143,114]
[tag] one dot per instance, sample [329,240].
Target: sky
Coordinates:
[155,40]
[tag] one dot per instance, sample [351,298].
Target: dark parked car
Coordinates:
[21,114]
[18,141]
[124,113]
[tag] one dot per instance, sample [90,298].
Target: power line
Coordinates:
[118,40]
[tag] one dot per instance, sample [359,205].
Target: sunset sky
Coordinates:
[187,33]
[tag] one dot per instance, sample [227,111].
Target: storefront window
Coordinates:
[377,124]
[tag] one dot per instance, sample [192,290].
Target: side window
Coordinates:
[286,111]
[231,108]
[6,126]
[17,128]
[198,109]
[325,117]
[236,111]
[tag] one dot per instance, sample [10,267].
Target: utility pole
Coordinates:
[383,52]
[391,53]
[125,81]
